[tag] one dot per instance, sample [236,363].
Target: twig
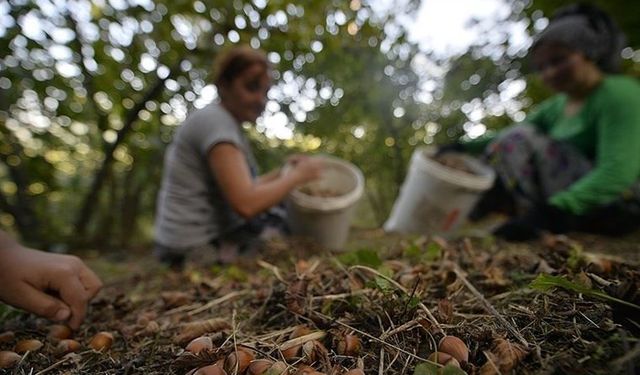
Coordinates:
[218,301]
[397,285]
[271,268]
[235,342]
[372,337]
[302,339]
[381,365]
[461,275]
[180,309]
[309,270]
[413,293]
[405,327]
[333,297]
[53,366]
[274,334]
[492,363]
[589,320]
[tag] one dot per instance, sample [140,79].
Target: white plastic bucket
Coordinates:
[327,219]
[435,198]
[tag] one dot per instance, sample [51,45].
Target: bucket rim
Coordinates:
[326,204]
[476,182]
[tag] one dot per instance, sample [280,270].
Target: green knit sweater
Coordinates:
[606,130]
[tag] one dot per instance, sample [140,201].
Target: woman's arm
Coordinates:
[249,197]
[617,164]
[269,176]
[541,117]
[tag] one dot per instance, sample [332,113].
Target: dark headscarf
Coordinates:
[587,29]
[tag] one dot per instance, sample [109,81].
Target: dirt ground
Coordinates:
[396,296]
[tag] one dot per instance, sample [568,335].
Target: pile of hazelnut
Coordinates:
[242,359]
[59,335]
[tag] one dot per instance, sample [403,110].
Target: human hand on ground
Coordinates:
[55,286]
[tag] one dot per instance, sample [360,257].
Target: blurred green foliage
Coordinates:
[91,93]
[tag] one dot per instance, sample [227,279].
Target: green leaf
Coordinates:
[575,258]
[414,302]
[386,270]
[427,368]
[236,273]
[8,312]
[362,257]
[433,251]
[452,370]
[412,251]
[383,284]
[545,282]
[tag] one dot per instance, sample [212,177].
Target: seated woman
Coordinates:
[212,203]
[574,163]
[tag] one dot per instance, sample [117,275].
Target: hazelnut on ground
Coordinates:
[101,341]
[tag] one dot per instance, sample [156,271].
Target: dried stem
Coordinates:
[400,287]
[461,275]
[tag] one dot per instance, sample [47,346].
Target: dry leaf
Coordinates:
[175,299]
[296,296]
[503,358]
[495,277]
[194,329]
[445,310]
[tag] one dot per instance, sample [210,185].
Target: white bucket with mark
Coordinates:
[322,209]
[435,198]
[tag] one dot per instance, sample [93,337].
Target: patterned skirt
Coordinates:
[531,167]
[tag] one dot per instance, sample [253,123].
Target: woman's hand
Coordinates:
[307,168]
[55,286]
[295,158]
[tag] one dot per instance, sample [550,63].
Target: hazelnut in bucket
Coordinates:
[322,209]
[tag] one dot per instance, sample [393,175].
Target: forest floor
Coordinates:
[563,305]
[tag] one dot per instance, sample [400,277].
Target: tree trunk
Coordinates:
[22,209]
[98,181]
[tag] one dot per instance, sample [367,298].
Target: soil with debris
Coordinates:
[399,296]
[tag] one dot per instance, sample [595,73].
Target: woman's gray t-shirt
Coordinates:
[191,209]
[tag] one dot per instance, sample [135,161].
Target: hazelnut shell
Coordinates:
[59,332]
[29,345]
[454,347]
[259,366]
[242,356]
[210,370]
[199,344]
[9,359]
[101,341]
[7,336]
[67,346]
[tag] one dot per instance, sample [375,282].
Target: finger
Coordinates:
[91,281]
[74,294]
[36,301]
